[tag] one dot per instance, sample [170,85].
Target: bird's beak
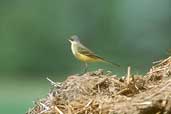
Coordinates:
[69,40]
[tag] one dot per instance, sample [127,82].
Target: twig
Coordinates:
[137,88]
[88,104]
[163,88]
[163,61]
[155,62]
[143,103]
[59,111]
[44,106]
[70,109]
[53,83]
[128,75]
[98,88]
[43,111]
[156,70]
[122,91]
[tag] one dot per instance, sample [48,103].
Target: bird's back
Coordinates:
[84,54]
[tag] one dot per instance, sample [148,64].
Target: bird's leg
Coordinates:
[85,70]
[86,67]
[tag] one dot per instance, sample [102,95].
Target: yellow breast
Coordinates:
[80,56]
[86,58]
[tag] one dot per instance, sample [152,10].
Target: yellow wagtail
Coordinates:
[84,54]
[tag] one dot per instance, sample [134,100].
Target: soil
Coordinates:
[103,93]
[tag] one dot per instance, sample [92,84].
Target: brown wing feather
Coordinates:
[85,51]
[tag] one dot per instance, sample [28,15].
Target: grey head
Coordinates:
[74,38]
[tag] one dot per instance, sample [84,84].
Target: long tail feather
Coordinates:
[114,64]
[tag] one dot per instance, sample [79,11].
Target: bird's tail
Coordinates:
[114,64]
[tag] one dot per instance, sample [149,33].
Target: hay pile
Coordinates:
[100,93]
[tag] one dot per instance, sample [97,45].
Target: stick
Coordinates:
[57,109]
[128,75]
[53,83]
[44,106]
[88,104]
[159,90]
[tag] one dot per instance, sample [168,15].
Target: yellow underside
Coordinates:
[85,58]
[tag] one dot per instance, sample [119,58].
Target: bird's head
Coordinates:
[74,39]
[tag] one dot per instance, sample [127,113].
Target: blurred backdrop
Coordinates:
[34,33]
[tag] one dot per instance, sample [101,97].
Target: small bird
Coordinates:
[84,54]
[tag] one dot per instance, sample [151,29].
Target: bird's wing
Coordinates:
[85,51]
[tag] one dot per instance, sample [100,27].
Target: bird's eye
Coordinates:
[72,39]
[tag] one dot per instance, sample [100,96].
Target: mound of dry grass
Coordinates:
[101,93]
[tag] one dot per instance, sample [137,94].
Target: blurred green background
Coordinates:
[34,33]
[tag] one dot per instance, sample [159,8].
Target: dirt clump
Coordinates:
[102,93]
